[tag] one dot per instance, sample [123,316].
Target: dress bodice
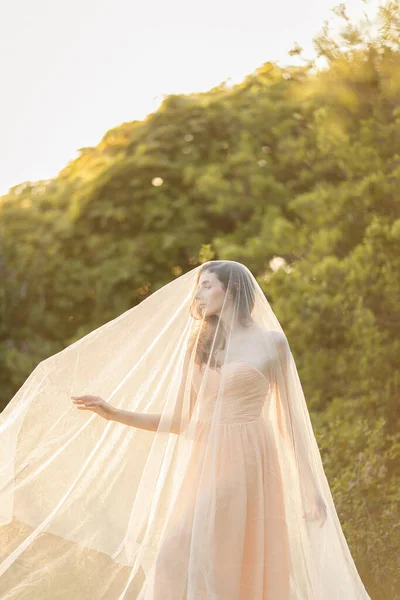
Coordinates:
[237,392]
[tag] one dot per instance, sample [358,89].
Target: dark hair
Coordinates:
[234,276]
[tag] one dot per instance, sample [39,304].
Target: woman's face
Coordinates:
[210,294]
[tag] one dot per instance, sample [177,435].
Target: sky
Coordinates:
[71,70]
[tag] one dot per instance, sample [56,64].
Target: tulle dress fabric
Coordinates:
[249,556]
[210,505]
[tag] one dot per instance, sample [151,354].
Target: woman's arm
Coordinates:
[149,422]
[135,419]
[295,427]
[96,404]
[99,406]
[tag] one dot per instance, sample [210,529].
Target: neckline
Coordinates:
[247,364]
[232,362]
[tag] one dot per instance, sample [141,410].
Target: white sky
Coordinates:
[71,70]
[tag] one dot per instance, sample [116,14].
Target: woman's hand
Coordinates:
[95,404]
[318,510]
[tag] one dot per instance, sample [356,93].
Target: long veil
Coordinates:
[225,499]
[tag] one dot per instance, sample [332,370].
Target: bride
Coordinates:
[203,478]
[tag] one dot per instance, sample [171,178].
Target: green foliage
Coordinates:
[294,172]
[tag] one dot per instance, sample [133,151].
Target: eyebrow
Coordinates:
[205,281]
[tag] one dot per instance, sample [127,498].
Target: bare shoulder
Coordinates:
[268,348]
[274,336]
[276,343]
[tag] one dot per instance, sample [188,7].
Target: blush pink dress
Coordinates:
[227,536]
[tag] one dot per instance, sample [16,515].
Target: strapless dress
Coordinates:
[227,538]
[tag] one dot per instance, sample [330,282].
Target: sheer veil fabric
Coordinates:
[226,499]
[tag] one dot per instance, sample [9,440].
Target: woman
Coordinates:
[216,491]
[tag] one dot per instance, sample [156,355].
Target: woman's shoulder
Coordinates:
[274,336]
